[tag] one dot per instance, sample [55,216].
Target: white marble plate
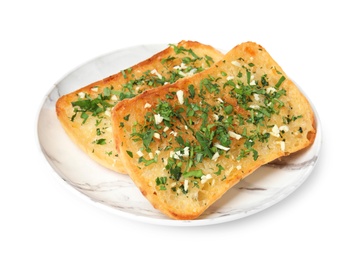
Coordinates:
[116,192]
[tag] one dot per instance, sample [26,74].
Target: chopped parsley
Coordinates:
[205,126]
[161,181]
[98,101]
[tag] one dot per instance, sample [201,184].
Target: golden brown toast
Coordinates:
[184,145]
[85,114]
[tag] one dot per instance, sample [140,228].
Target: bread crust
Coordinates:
[272,119]
[94,136]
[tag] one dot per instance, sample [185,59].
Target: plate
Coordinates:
[116,192]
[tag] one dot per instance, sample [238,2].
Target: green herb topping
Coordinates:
[98,102]
[196,131]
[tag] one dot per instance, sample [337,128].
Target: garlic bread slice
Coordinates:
[184,145]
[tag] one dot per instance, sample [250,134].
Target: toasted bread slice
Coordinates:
[184,145]
[85,113]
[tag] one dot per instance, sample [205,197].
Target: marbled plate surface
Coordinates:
[116,192]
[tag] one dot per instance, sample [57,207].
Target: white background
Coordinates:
[315,42]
